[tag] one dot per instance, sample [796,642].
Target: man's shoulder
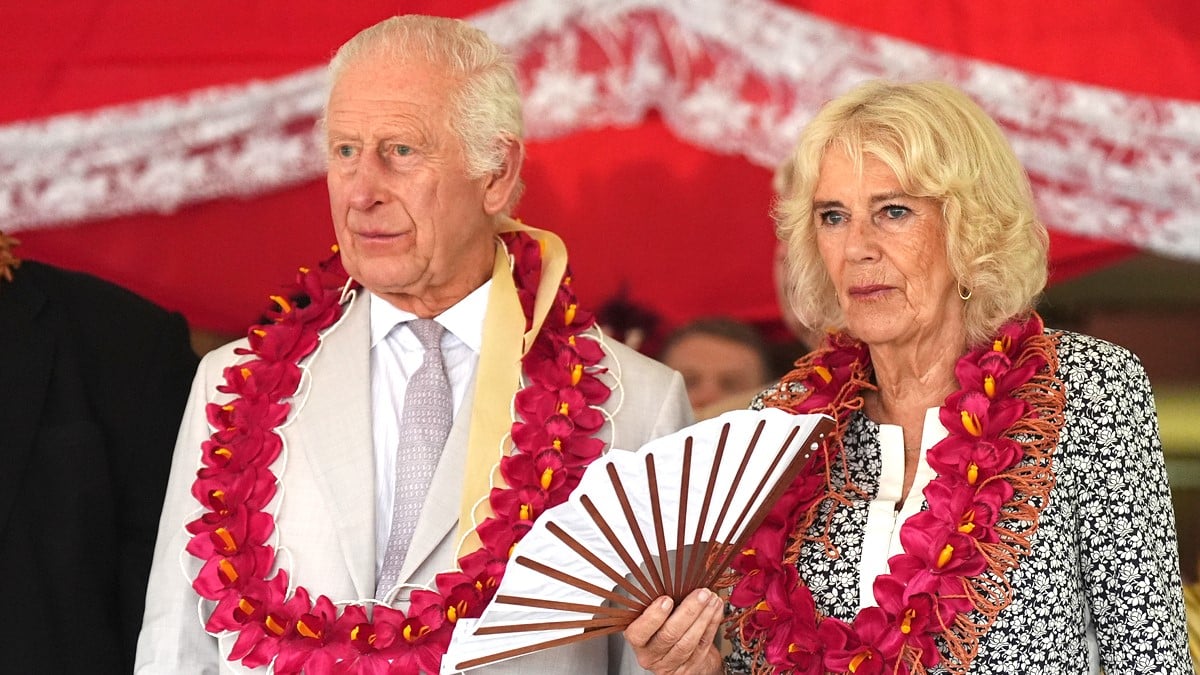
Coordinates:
[87,297]
[633,363]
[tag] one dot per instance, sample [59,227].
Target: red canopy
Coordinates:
[662,196]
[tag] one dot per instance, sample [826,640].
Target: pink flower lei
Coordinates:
[951,581]
[554,439]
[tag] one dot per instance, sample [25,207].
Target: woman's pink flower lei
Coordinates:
[554,439]
[1003,425]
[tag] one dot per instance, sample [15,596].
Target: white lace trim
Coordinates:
[734,77]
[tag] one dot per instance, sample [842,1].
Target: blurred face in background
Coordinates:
[715,368]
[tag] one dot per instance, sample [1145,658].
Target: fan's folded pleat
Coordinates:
[664,520]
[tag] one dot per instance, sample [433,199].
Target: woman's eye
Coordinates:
[832,218]
[895,212]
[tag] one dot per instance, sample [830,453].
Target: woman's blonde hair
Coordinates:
[940,145]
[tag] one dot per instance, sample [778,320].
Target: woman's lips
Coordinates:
[867,292]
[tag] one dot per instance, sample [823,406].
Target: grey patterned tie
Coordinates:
[424,425]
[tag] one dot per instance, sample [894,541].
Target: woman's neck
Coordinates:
[914,377]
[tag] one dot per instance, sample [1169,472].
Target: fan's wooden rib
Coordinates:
[705,553]
[664,562]
[553,625]
[681,523]
[529,649]
[608,533]
[723,550]
[631,519]
[793,469]
[580,583]
[596,562]
[542,603]
[694,563]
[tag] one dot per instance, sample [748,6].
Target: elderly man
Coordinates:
[350,479]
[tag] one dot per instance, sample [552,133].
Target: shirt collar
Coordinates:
[464,319]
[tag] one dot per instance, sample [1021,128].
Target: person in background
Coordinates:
[344,511]
[724,363]
[994,498]
[93,380]
[634,324]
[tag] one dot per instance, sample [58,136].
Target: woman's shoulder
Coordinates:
[1078,352]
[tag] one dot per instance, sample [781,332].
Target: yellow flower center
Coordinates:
[304,629]
[273,625]
[227,570]
[857,661]
[282,302]
[967,524]
[972,473]
[823,373]
[569,315]
[547,476]
[906,623]
[989,386]
[576,374]
[944,556]
[408,633]
[971,423]
[226,539]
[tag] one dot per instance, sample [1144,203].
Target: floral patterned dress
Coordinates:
[1101,588]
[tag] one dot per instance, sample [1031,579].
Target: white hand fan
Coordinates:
[664,520]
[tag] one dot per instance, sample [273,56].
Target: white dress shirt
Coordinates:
[881,539]
[395,356]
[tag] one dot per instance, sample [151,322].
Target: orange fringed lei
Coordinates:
[831,381]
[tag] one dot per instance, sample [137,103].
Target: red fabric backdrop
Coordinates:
[686,229]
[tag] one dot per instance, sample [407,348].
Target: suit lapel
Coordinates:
[439,514]
[333,428]
[26,364]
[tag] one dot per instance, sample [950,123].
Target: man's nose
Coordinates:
[367,188]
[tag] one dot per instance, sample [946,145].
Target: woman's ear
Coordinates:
[504,184]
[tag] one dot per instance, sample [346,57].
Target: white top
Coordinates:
[395,356]
[881,539]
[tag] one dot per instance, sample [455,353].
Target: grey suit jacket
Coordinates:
[325,508]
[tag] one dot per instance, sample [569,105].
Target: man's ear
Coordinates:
[504,184]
